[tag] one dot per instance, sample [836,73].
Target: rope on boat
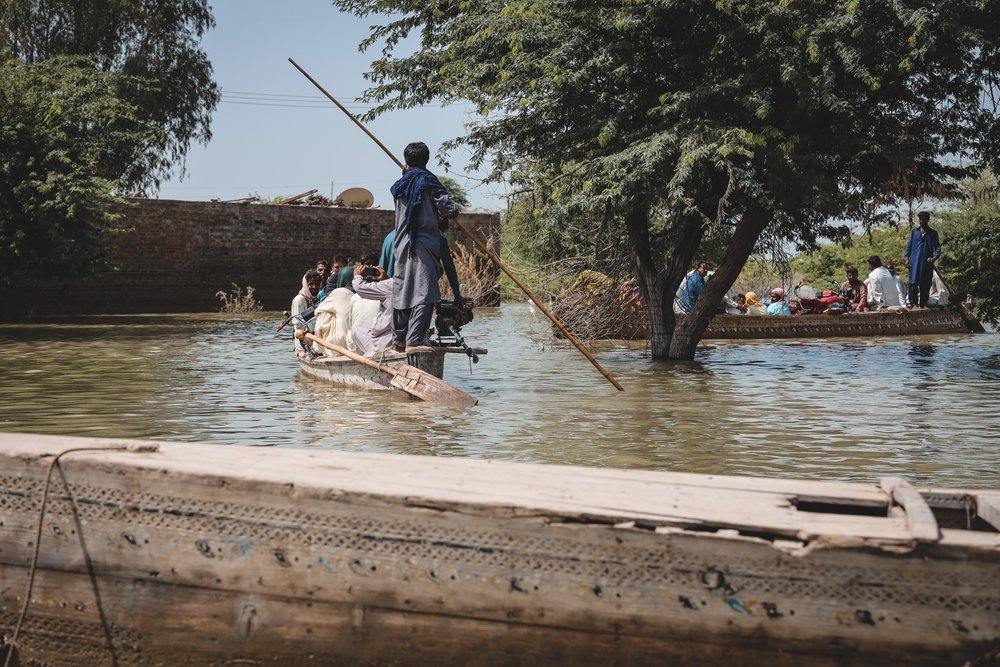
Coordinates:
[11,646]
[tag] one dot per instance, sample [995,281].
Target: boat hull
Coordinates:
[854,325]
[212,555]
[341,370]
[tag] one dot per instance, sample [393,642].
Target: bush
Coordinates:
[238,302]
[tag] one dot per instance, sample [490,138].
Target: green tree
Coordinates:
[456,192]
[155,43]
[970,237]
[684,120]
[58,121]
[825,264]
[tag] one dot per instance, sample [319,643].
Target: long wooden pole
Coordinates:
[478,243]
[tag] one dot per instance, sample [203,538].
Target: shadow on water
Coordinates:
[919,407]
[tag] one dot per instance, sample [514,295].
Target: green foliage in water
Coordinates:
[59,120]
[673,122]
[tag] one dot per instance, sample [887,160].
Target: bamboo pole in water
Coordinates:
[476,240]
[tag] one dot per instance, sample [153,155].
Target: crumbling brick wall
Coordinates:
[173,256]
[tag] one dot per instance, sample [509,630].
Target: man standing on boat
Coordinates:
[420,200]
[922,249]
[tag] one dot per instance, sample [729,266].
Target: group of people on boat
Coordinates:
[386,300]
[882,290]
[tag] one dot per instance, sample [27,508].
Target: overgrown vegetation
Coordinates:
[97,99]
[673,123]
[970,238]
[166,78]
[238,301]
[476,275]
[59,120]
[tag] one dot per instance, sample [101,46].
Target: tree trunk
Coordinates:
[657,285]
[688,333]
[661,316]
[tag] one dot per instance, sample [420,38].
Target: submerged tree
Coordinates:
[155,44]
[676,119]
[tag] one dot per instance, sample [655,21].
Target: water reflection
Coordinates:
[921,407]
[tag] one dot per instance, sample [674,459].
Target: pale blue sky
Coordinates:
[275,134]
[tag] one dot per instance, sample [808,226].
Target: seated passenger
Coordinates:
[735,306]
[899,282]
[690,289]
[345,274]
[373,284]
[323,269]
[855,291]
[778,305]
[304,300]
[754,306]
[883,290]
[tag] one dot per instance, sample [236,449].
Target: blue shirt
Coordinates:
[695,285]
[778,308]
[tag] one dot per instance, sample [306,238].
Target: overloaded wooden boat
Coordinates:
[179,554]
[854,325]
[348,372]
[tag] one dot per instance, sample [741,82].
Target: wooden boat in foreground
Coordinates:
[854,325]
[182,554]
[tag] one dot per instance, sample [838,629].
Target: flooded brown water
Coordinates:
[926,408]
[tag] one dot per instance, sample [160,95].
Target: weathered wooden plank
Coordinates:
[490,487]
[919,518]
[262,554]
[988,509]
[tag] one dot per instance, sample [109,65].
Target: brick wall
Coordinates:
[173,256]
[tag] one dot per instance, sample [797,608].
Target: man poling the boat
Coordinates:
[420,200]
[476,241]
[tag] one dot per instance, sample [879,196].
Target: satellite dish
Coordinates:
[356,198]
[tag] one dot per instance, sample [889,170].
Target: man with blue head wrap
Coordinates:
[420,201]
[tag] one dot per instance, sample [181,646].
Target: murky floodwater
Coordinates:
[926,408]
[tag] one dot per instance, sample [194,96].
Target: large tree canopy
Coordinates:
[678,118]
[59,120]
[155,43]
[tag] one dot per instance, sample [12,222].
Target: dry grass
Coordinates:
[236,301]
[597,307]
[476,274]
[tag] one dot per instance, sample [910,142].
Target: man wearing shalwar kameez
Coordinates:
[420,200]
[922,249]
